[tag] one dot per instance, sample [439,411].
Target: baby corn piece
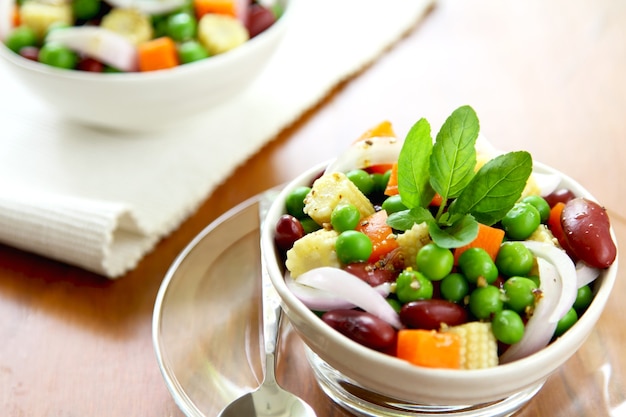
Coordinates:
[219,33]
[131,24]
[411,241]
[39,16]
[543,234]
[479,347]
[328,192]
[313,250]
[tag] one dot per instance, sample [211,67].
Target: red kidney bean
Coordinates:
[259,19]
[431,314]
[362,327]
[371,274]
[561,195]
[587,230]
[288,230]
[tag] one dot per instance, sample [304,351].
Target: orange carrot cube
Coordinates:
[429,348]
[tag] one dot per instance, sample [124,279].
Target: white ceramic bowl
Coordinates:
[360,378]
[150,100]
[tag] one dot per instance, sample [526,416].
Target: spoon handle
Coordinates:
[271,301]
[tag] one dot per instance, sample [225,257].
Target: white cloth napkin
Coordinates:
[101,201]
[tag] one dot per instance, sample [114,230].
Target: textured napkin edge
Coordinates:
[100,236]
[111,237]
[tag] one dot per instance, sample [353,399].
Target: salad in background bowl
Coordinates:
[438,276]
[139,64]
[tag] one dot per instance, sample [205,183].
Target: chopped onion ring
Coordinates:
[562,288]
[585,274]
[541,326]
[366,153]
[320,300]
[148,6]
[352,289]
[99,43]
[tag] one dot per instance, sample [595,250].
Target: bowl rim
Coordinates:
[551,354]
[213,62]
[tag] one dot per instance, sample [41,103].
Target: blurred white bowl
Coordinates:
[373,383]
[150,100]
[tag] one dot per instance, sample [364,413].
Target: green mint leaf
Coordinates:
[405,219]
[413,180]
[495,188]
[460,233]
[454,154]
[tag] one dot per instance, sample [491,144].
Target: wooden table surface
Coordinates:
[545,76]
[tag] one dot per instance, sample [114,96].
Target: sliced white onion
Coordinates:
[352,289]
[541,326]
[99,43]
[148,6]
[547,183]
[564,282]
[320,300]
[366,153]
[585,274]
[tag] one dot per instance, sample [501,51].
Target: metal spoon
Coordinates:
[269,399]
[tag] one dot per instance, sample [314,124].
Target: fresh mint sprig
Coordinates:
[447,167]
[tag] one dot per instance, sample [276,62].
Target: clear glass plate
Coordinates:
[207,322]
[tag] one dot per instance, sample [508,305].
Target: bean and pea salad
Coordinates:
[111,36]
[464,247]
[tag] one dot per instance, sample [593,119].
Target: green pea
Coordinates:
[393,204]
[434,261]
[520,293]
[380,181]
[352,246]
[476,263]
[454,287]
[57,55]
[345,217]
[191,51]
[540,204]
[309,225]
[412,285]
[57,25]
[584,296]
[362,180]
[181,26]
[21,37]
[111,70]
[159,23]
[295,201]
[395,304]
[484,302]
[566,322]
[521,221]
[86,9]
[507,326]
[514,259]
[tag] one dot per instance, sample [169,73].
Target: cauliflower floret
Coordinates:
[313,250]
[329,191]
[411,241]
